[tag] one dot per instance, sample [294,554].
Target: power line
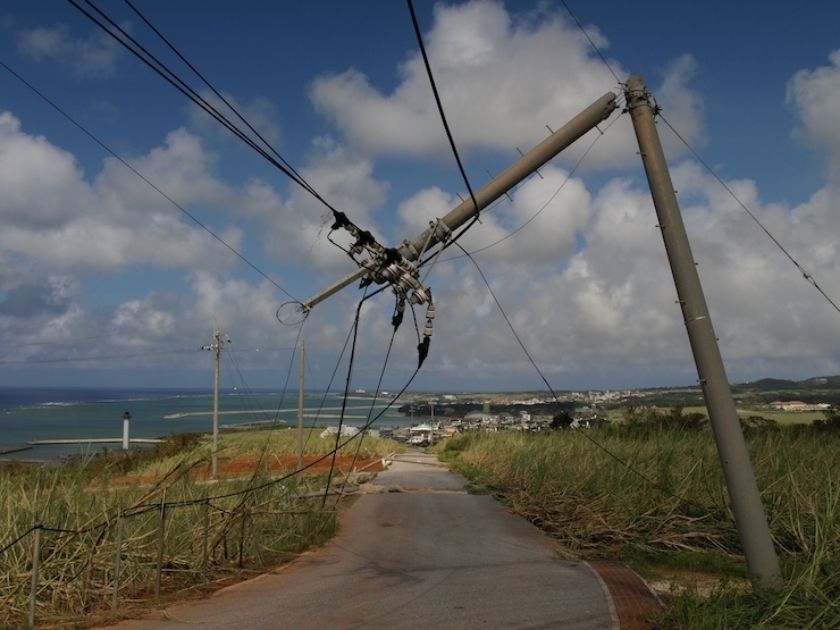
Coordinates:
[556,397]
[439,103]
[179,84]
[522,226]
[220,95]
[347,381]
[125,163]
[752,215]
[372,406]
[592,43]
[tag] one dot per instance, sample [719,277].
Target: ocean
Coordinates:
[28,414]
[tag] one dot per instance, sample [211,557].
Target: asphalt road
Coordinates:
[416,552]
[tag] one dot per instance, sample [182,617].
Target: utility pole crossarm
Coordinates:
[507,179]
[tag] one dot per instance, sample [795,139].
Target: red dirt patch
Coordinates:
[242,466]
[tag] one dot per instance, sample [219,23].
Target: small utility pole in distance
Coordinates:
[216,347]
[300,411]
[762,563]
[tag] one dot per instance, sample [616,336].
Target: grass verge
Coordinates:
[213,531]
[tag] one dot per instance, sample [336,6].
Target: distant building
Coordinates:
[798,405]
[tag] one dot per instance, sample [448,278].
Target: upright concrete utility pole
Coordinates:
[762,563]
[300,410]
[214,457]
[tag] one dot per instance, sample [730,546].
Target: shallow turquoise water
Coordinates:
[44,414]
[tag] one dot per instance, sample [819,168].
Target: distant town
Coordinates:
[438,415]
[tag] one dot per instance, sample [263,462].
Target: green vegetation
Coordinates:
[619,414]
[670,518]
[247,531]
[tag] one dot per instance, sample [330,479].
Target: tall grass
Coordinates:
[249,530]
[672,508]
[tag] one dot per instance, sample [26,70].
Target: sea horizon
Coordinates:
[52,413]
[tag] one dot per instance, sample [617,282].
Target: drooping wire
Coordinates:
[554,395]
[219,95]
[131,168]
[146,507]
[370,411]
[440,103]
[347,382]
[276,419]
[591,42]
[173,79]
[18,538]
[751,214]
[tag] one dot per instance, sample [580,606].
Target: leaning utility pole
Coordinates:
[762,563]
[584,122]
[300,411]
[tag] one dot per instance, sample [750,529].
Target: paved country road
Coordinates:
[418,552]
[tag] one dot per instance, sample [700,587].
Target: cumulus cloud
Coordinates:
[37,313]
[500,82]
[140,321]
[814,94]
[296,225]
[611,311]
[51,213]
[545,214]
[94,56]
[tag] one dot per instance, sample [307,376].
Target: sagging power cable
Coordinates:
[805,274]
[554,395]
[220,96]
[157,66]
[439,103]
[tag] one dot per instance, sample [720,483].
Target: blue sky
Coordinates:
[95,264]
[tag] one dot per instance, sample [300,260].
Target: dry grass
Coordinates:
[678,514]
[250,530]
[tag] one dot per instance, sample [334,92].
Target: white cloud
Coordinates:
[95,56]
[53,215]
[815,94]
[547,211]
[39,180]
[610,311]
[500,83]
[296,226]
[37,313]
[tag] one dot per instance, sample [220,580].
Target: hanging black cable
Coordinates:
[344,398]
[219,95]
[554,395]
[173,79]
[370,411]
[439,103]
[170,77]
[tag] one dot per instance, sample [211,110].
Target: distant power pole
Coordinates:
[762,563]
[300,410]
[216,348]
